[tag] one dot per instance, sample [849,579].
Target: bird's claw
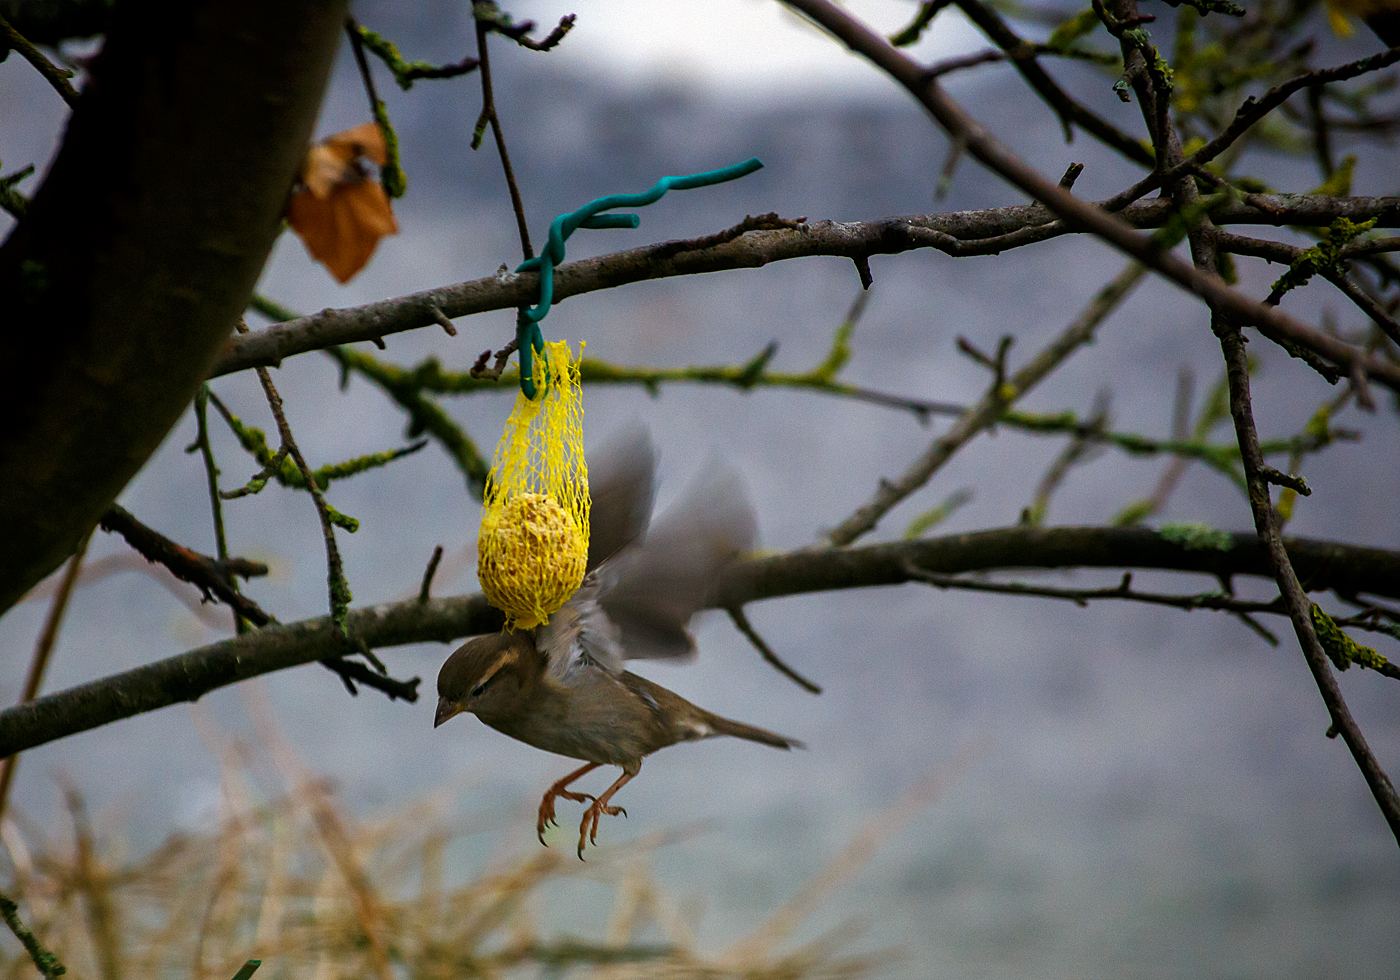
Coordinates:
[588,829]
[547,816]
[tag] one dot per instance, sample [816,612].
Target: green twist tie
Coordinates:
[528,337]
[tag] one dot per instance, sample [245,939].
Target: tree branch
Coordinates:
[1272,322]
[961,233]
[985,413]
[1070,111]
[1287,575]
[1323,565]
[55,76]
[212,576]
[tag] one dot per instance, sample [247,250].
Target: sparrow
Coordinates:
[561,686]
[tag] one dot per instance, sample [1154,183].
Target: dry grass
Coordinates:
[317,894]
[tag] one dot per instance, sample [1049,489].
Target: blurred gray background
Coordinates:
[1125,792]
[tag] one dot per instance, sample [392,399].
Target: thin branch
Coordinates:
[1241,609]
[409,387]
[408,72]
[55,76]
[992,56]
[47,962]
[335,572]
[425,590]
[488,12]
[1219,601]
[993,154]
[964,232]
[214,577]
[489,117]
[254,441]
[1289,254]
[38,664]
[1295,599]
[1070,111]
[741,622]
[425,415]
[353,672]
[1213,411]
[1369,246]
[480,370]
[12,200]
[989,409]
[1345,569]
[391,174]
[1078,451]
[910,33]
[211,478]
[1251,112]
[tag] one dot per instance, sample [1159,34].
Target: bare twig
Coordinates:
[211,477]
[440,318]
[1070,111]
[1219,601]
[986,412]
[493,373]
[47,963]
[425,590]
[38,664]
[55,76]
[741,622]
[213,576]
[391,174]
[1249,113]
[335,573]
[339,589]
[1296,601]
[1079,450]
[1288,254]
[489,117]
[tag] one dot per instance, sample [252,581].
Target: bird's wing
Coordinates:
[651,590]
[637,604]
[580,635]
[622,485]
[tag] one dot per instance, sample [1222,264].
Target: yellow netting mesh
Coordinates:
[533,545]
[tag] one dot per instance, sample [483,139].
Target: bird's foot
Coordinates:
[588,830]
[547,806]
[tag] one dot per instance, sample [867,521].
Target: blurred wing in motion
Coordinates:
[622,485]
[643,586]
[651,590]
[622,489]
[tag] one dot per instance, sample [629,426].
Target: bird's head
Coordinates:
[487,675]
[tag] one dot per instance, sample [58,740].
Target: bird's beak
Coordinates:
[445,710]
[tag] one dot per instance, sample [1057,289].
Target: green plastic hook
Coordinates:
[528,336]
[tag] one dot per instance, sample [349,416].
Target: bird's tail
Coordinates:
[723,726]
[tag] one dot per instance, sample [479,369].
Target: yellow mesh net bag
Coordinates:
[533,546]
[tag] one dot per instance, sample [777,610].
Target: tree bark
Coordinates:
[140,250]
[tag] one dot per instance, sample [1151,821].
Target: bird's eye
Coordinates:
[480,689]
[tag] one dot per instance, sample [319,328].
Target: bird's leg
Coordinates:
[589,828]
[561,789]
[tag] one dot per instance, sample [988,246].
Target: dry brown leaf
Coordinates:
[365,140]
[341,212]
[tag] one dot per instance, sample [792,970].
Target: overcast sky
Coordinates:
[734,47]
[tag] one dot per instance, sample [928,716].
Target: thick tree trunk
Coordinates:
[141,248]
